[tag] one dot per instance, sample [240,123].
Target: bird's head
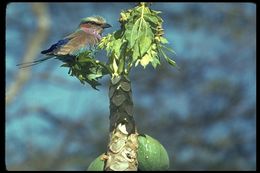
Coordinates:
[94,22]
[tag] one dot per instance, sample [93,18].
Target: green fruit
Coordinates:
[97,164]
[151,154]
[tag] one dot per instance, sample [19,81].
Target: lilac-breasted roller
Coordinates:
[86,36]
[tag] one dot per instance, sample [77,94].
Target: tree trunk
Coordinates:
[123,143]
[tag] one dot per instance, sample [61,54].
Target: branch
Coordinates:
[34,44]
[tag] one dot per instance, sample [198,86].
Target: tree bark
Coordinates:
[122,147]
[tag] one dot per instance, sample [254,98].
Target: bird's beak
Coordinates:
[106,25]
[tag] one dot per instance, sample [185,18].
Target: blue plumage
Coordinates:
[50,54]
[55,46]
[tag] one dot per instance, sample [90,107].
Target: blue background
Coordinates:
[204,114]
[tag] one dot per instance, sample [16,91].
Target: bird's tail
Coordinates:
[29,64]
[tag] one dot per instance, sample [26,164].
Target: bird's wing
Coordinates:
[67,47]
[78,40]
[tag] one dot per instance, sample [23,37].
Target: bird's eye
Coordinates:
[93,23]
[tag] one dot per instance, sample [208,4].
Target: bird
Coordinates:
[87,35]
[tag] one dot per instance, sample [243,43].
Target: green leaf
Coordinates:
[155,62]
[139,40]
[156,12]
[163,40]
[86,69]
[76,66]
[114,66]
[169,49]
[93,83]
[85,59]
[118,34]
[135,32]
[137,62]
[170,61]
[144,44]
[116,47]
[136,53]
[94,76]
[151,18]
[145,60]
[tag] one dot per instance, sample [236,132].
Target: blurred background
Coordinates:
[204,113]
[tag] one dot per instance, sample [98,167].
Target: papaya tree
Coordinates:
[139,41]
